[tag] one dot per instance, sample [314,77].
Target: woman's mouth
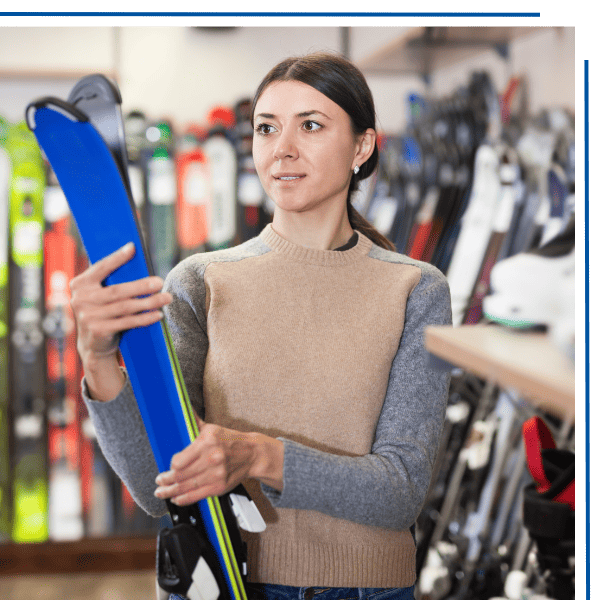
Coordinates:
[288,177]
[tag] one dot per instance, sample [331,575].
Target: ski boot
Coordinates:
[537,289]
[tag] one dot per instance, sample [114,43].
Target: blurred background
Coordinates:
[67,527]
[182,72]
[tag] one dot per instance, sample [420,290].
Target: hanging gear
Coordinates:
[549,507]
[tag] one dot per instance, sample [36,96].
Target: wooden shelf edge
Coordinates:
[412,52]
[88,555]
[505,358]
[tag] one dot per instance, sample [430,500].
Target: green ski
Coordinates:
[5,485]
[26,219]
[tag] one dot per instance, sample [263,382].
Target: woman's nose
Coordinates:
[286,147]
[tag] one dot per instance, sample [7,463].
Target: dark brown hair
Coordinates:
[339,80]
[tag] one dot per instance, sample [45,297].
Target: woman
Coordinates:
[302,351]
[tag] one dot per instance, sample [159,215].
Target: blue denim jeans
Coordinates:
[259,591]
[283,592]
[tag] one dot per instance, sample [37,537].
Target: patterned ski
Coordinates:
[193,200]
[65,518]
[28,373]
[161,186]
[506,205]
[475,231]
[135,141]
[5,482]
[250,193]
[223,174]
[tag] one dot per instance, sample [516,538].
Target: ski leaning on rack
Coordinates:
[223,172]
[250,193]
[28,372]
[193,199]
[5,488]
[65,520]
[213,563]
[161,186]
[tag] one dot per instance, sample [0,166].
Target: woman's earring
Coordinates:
[356,169]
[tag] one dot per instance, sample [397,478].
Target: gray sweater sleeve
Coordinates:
[122,438]
[387,487]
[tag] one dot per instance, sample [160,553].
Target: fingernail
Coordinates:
[127,247]
[162,476]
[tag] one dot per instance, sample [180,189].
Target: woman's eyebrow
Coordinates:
[301,115]
[266,115]
[310,113]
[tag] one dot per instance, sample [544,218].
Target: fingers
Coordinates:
[119,291]
[120,303]
[97,308]
[210,466]
[207,476]
[103,328]
[207,450]
[103,312]
[101,269]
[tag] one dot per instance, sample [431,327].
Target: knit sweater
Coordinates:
[323,350]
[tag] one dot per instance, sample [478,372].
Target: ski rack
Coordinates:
[98,197]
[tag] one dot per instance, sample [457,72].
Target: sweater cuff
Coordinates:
[124,404]
[283,499]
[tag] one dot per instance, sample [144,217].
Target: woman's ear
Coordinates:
[366,145]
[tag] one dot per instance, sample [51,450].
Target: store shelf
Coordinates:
[526,362]
[88,555]
[422,50]
[66,74]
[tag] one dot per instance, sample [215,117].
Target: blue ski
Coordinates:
[213,563]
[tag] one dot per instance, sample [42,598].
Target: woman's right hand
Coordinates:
[103,312]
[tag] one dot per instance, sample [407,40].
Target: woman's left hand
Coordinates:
[217,461]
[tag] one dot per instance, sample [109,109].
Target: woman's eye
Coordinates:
[311,126]
[264,129]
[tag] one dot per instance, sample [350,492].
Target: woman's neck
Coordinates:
[316,231]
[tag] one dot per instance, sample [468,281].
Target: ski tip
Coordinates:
[95,85]
[56,104]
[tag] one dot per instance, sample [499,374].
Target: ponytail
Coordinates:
[359,223]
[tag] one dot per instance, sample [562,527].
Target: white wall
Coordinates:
[182,72]
[178,72]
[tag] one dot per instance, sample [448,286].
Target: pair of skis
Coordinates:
[203,555]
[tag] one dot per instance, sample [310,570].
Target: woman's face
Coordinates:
[304,148]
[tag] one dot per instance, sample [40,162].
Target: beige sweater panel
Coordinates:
[291,360]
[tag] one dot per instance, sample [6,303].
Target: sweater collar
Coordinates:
[324,258]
